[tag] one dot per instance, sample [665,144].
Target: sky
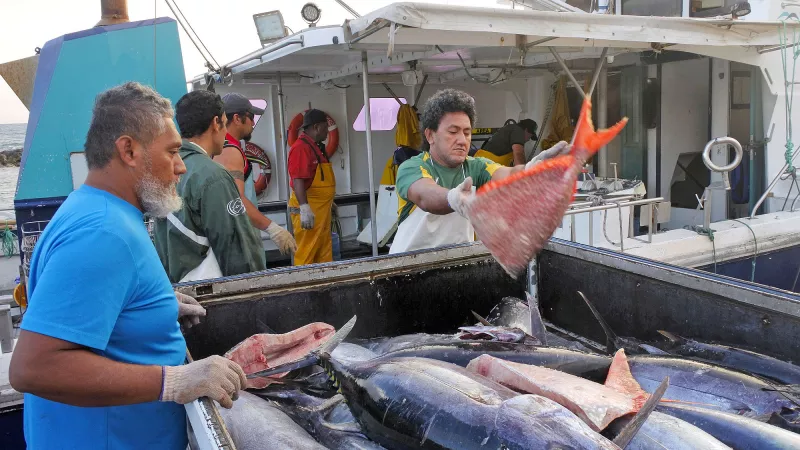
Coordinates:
[226,27]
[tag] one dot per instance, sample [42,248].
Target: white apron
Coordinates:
[423,230]
[209,267]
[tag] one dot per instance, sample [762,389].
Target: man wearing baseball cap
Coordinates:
[313,188]
[241,121]
[507,145]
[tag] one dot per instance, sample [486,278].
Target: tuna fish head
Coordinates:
[263,351]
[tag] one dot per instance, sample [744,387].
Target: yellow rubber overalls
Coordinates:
[315,245]
[505,160]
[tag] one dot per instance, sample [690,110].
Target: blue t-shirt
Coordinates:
[96,280]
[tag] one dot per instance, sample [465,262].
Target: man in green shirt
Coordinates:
[211,235]
[441,181]
[507,146]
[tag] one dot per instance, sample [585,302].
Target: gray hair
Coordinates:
[447,101]
[130,109]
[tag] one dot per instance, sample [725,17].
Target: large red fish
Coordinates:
[515,216]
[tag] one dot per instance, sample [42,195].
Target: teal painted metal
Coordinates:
[86,64]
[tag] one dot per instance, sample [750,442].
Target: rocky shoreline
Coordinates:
[10,158]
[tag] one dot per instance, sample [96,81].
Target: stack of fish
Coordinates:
[513,382]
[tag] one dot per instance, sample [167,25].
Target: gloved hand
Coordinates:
[461,196]
[215,377]
[282,238]
[306,217]
[189,310]
[562,148]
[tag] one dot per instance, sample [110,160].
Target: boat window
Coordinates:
[383,114]
[258,103]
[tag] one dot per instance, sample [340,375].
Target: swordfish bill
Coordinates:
[515,216]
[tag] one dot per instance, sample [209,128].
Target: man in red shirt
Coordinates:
[313,188]
[241,121]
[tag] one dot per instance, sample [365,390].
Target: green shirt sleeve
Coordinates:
[231,235]
[410,171]
[481,170]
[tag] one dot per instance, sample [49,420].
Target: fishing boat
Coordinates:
[708,101]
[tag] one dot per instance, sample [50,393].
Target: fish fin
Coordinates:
[481,319]
[651,350]
[538,329]
[329,345]
[587,140]
[264,328]
[671,337]
[612,340]
[629,432]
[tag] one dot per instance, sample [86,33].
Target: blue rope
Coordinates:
[9,240]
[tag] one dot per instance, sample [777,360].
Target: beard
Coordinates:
[247,137]
[158,199]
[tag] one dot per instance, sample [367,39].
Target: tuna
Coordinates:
[741,433]
[697,383]
[585,365]
[662,431]
[254,424]
[262,351]
[409,403]
[504,209]
[731,357]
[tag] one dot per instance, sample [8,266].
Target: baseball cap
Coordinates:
[530,126]
[238,103]
[313,117]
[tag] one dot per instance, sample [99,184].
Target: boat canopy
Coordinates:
[456,42]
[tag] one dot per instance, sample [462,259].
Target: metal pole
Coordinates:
[621,237]
[566,69]
[773,183]
[533,286]
[602,119]
[631,232]
[348,8]
[282,120]
[572,231]
[652,223]
[597,69]
[591,229]
[368,123]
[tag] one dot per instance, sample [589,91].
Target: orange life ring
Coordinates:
[332,143]
[257,156]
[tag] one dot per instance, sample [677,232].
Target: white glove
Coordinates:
[282,238]
[562,148]
[189,310]
[461,196]
[215,377]
[306,217]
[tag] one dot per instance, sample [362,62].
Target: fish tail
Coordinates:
[587,140]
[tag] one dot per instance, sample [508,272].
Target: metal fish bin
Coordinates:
[434,291]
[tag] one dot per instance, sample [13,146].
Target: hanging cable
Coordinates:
[755,253]
[210,66]
[788,85]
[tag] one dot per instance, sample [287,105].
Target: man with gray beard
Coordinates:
[101,356]
[210,236]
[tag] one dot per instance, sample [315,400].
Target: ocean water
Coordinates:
[12,137]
